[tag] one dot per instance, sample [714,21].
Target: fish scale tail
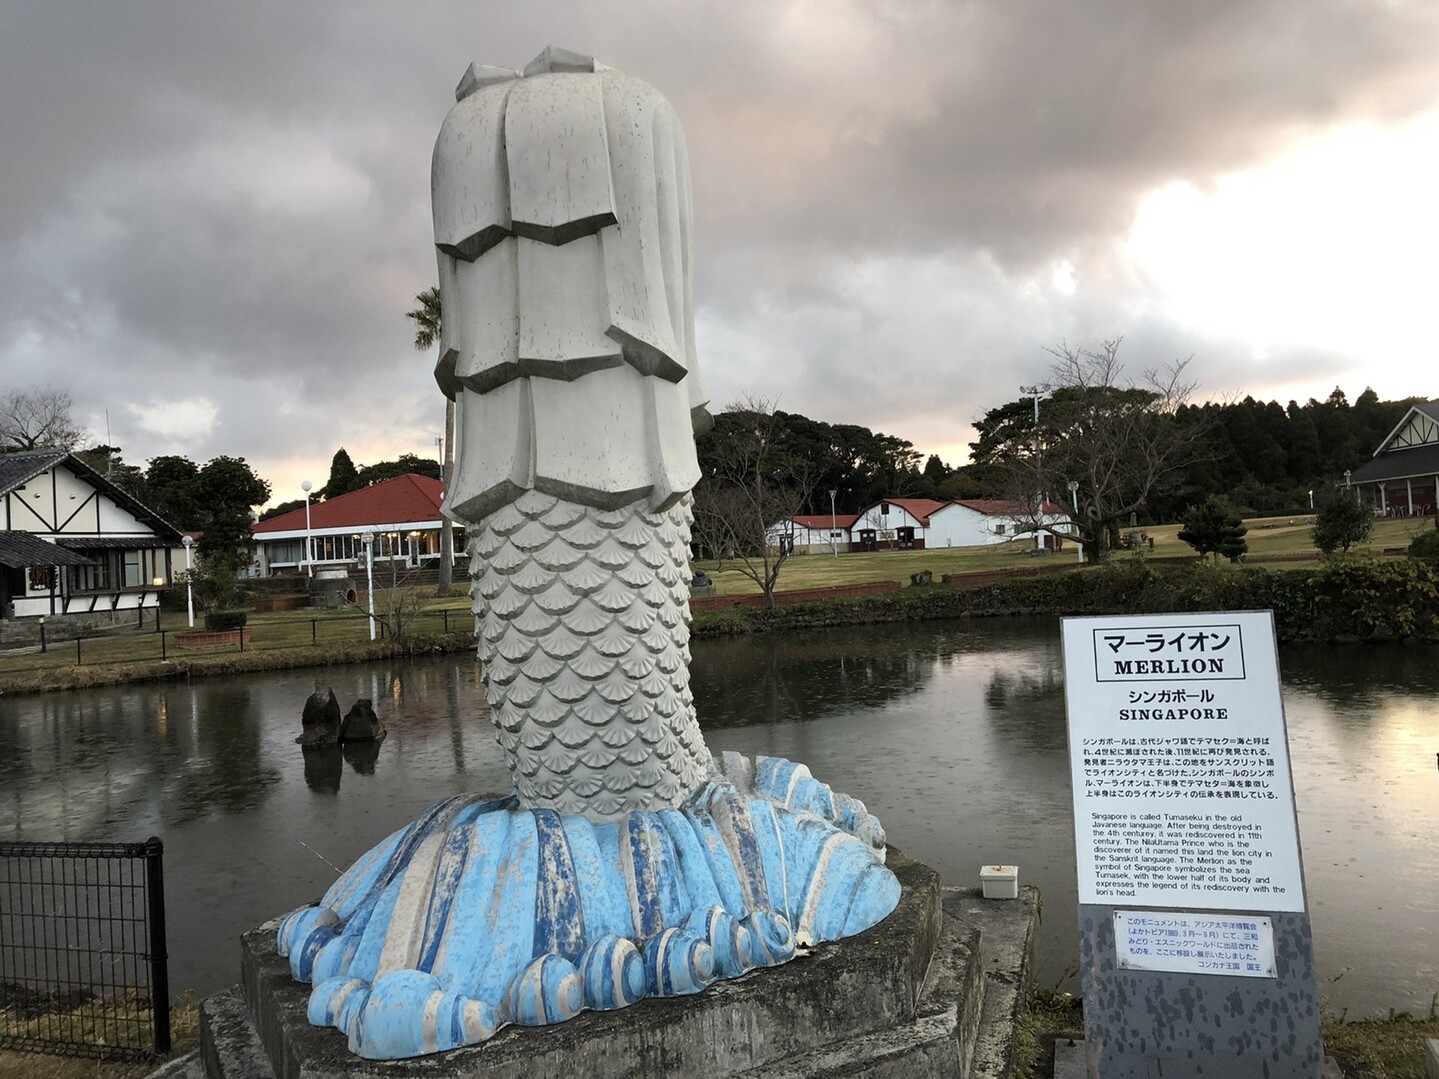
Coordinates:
[582,616]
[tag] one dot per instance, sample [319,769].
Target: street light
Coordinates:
[309,550]
[833,529]
[368,539]
[1038,392]
[189,542]
[1074,501]
[1311,499]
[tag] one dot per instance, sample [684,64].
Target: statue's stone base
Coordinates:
[933,990]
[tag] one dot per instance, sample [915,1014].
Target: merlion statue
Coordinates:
[628,862]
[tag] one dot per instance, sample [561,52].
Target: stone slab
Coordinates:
[1007,930]
[980,945]
[866,983]
[1069,1063]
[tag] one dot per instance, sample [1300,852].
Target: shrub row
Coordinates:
[1346,599]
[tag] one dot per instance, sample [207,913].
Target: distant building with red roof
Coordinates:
[970,522]
[895,524]
[913,524]
[404,514]
[806,532]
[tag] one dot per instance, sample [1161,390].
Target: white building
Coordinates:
[971,522]
[813,533]
[404,514]
[76,546]
[1401,479]
[895,524]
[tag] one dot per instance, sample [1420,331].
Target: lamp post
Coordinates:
[189,542]
[833,529]
[1074,501]
[1039,391]
[309,550]
[1311,500]
[368,539]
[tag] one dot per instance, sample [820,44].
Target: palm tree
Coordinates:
[426,318]
[427,333]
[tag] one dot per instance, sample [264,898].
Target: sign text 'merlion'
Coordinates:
[1145,654]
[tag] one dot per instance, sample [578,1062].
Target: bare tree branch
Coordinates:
[1116,440]
[38,420]
[751,487]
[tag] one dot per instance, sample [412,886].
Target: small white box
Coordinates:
[999,881]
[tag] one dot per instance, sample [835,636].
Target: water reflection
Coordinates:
[324,768]
[953,734]
[361,756]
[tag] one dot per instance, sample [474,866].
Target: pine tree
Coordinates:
[1214,526]
[344,477]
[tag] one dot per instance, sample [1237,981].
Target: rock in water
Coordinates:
[320,723]
[361,724]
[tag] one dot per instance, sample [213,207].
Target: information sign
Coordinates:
[1222,943]
[1184,805]
[1182,788]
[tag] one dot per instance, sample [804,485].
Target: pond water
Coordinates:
[953,733]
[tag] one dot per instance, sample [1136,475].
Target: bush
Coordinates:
[1342,520]
[1426,546]
[224,621]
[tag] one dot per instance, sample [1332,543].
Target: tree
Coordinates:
[225,490]
[427,320]
[1215,527]
[1342,520]
[107,461]
[1118,440]
[750,486]
[344,477]
[282,508]
[402,465]
[170,490]
[38,420]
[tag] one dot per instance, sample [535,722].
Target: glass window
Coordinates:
[133,578]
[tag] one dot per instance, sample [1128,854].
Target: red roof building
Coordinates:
[403,513]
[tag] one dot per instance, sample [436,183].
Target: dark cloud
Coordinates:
[229,203]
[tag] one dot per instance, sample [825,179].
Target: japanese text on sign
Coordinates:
[1195,943]
[1203,653]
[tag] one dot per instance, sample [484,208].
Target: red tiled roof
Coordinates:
[822,520]
[398,501]
[998,507]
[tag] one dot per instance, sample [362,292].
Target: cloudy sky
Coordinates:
[213,216]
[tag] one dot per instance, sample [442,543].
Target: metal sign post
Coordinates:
[1195,950]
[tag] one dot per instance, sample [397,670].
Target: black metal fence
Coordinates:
[264,634]
[82,949]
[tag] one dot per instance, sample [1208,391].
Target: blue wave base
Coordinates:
[480,914]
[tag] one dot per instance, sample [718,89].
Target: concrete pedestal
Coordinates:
[934,990]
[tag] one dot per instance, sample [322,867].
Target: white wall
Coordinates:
[961,526]
[886,526]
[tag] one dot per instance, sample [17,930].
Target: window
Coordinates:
[133,576]
[95,577]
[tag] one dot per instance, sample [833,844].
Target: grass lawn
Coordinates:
[1267,536]
[321,634]
[313,636]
